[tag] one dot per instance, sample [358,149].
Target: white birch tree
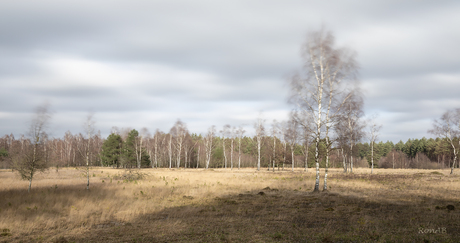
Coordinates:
[349,129]
[225,132]
[88,127]
[208,141]
[260,132]
[179,131]
[292,129]
[31,157]
[448,127]
[274,134]
[232,139]
[373,134]
[239,133]
[170,150]
[323,86]
[306,122]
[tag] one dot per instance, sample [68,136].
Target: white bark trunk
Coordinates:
[274,154]
[231,155]
[87,161]
[393,159]
[239,153]
[258,154]
[225,155]
[372,156]
[327,162]
[198,157]
[170,152]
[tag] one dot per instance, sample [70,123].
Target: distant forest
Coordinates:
[127,148]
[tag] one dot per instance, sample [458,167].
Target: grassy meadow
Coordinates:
[223,205]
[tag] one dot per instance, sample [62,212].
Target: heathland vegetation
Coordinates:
[220,205]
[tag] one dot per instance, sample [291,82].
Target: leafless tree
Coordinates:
[30,158]
[232,133]
[88,127]
[284,138]
[448,126]
[138,145]
[275,132]
[225,132]
[170,149]
[208,140]
[292,135]
[325,85]
[305,121]
[155,147]
[373,134]
[198,156]
[189,146]
[341,131]
[179,132]
[158,140]
[260,132]
[239,133]
[351,125]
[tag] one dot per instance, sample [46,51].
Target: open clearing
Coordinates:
[194,205]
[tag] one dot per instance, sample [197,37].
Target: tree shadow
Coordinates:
[269,215]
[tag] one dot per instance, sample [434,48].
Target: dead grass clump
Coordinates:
[130,175]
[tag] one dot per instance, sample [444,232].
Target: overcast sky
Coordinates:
[141,63]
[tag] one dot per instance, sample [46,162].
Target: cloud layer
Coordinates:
[147,63]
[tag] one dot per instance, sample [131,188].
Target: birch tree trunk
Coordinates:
[89,129]
[351,164]
[258,154]
[393,159]
[170,150]
[372,157]
[318,134]
[156,149]
[306,157]
[239,153]
[185,159]
[259,127]
[373,134]
[139,157]
[208,145]
[179,153]
[292,154]
[455,158]
[284,155]
[231,154]
[240,133]
[223,149]
[327,163]
[274,149]
[198,157]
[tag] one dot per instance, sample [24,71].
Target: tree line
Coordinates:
[128,148]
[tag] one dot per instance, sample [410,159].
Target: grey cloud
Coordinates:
[231,55]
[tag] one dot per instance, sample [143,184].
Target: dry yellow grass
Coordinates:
[232,206]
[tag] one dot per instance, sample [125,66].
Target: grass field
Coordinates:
[230,206]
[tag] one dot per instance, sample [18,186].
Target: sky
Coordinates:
[141,63]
